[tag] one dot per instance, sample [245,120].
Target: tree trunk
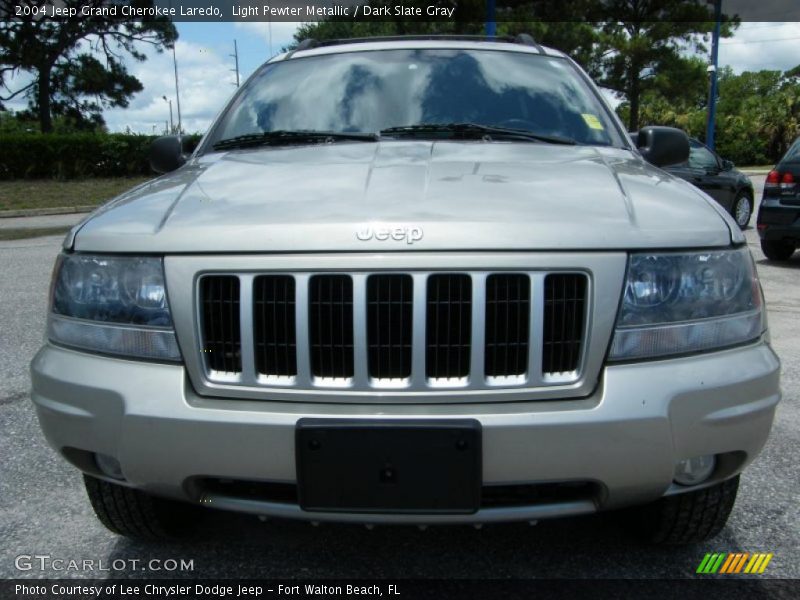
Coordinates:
[43,99]
[633,98]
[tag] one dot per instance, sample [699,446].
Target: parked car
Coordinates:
[420,281]
[719,179]
[779,215]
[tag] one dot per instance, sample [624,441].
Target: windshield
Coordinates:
[371,91]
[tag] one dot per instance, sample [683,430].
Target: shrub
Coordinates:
[76,155]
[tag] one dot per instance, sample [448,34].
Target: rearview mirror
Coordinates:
[166,154]
[727,165]
[663,146]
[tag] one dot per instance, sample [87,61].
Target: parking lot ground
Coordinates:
[43,508]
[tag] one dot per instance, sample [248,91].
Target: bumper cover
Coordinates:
[625,437]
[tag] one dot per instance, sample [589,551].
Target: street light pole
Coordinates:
[712,70]
[235,56]
[171,123]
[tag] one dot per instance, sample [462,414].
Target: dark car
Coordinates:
[779,215]
[719,179]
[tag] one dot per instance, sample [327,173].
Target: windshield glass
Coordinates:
[370,91]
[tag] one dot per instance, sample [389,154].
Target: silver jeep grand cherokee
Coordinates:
[411,281]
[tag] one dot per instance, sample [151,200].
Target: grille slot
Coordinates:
[564,308]
[389,324]
[221,332]
[449,326]
[274,330]
[508,302]
[330,312]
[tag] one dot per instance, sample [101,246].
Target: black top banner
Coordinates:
[390,10]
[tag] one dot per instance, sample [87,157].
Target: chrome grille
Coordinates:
[274,335]
[407,331]
[330,325]
[221,335]
[508,300]
[565,296]
[448,334]
[390,303]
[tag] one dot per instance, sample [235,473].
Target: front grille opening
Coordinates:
[274,334]
[496,496]
[330,312]
[221,332]
[564,308]
[389,325]
[508,305]
[449,326]
[492,496]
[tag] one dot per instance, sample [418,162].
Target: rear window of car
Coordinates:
[368,91]
[793,153]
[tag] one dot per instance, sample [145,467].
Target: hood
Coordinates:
[407,195]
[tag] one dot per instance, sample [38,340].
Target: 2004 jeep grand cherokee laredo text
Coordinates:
[411,281]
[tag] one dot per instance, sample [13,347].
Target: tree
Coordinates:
[67,78]
[645,44]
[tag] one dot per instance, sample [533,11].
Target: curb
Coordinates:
[43,212]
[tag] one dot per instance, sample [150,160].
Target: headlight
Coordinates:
[112,304]
[680,303]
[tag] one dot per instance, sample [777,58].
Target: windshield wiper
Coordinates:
[284,137]
[476,131]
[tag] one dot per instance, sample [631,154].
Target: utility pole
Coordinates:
[712,72]
[235,56]
[177,91]
[491,23]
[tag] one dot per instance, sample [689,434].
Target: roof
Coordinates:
[521,43]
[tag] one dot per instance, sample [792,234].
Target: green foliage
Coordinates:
[758,114]
[76,155]
[67,80]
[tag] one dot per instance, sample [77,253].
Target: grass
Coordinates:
[31,232]
[47,193]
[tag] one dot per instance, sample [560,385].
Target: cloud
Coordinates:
[757,46]
[205,79]
[282,32]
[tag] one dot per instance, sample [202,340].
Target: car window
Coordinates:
[793,153]
[368,91]
[701,157]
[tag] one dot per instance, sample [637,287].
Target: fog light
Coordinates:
[691,471]
[109,466]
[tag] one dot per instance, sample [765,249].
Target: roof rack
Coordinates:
[524,39]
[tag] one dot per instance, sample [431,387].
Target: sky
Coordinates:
[207,79]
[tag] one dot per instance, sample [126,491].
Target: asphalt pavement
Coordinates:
[44,511]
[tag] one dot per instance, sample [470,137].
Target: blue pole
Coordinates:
[491,25]
[712,94]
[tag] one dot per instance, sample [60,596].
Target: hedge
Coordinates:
[76,155]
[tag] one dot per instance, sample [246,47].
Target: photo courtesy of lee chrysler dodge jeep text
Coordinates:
[411,281]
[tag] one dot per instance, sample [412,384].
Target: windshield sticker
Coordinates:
[592,121]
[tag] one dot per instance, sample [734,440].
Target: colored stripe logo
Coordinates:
[733,563]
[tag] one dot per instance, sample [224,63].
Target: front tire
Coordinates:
[777,250]
[135,514]
[687,518]
[742,210]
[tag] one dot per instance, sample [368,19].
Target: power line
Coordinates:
[727,43]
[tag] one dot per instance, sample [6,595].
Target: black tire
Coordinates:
[777,250]
[688,518]
[138,515]
[742,210]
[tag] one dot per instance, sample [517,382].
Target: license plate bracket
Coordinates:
[389,466]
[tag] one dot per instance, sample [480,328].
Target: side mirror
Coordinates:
[727,165]
[166,154]
[663,146]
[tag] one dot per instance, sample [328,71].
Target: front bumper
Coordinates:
[625,437]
